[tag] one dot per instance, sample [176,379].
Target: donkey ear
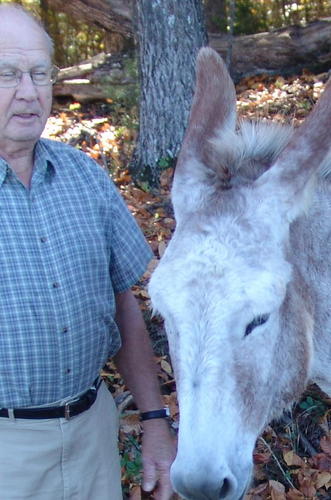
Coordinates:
[213,111]
[291,178]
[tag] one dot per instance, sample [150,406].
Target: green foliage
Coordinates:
[165,162]
[125,97]
[74,41]
[131,462]
[220,23]
[313,406]
[251,17]
[255,16]
[147,178]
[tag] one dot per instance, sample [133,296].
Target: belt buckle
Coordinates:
[11,414]
[67,411]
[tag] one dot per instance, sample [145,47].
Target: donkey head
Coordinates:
[238,325]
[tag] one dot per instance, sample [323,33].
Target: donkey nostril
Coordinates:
[208,485]
[225,488]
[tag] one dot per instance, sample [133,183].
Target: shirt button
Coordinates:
[65,329]
[43,239]
[56,284]
[68,370]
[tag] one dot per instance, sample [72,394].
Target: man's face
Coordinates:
[25,108]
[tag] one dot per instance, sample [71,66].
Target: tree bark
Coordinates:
[169,35]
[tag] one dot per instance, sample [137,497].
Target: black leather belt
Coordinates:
[83,403]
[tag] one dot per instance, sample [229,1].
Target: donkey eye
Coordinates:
[257,321]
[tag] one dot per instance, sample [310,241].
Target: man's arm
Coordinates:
[136,365]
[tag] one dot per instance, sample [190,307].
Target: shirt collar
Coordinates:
[3,170]
[44,167]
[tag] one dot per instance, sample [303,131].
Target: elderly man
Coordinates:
[69,252]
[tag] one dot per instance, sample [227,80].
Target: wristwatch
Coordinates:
[148,415]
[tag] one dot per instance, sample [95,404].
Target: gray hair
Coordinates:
[36,20]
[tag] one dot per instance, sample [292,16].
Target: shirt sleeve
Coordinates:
[130,253]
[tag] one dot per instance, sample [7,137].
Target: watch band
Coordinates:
[148,415]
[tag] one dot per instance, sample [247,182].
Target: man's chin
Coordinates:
[27,133]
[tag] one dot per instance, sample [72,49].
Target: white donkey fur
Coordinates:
[244,285]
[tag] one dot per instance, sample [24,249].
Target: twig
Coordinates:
[277,462]
[307,445]
[304,441]
[168,382]
[123,401]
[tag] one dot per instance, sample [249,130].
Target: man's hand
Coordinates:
[137,366]
[158,452]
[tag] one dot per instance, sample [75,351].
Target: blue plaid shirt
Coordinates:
[66,246]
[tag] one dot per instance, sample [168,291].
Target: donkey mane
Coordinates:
[239,157]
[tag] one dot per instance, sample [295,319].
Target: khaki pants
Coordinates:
[60,459]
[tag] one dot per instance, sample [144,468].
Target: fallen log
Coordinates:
[286,51]
[92,79]
[111,15]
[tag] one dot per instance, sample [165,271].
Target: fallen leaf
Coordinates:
[161,248]
[292,458]
[135,493]
[172,403]
[323,479]
[261,458]
[130,424]
[325,445]
[306,486]
[294,494]
[277,490]
[322,462]
[255,493]
[166,367]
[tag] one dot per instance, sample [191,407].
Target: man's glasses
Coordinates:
[11,77]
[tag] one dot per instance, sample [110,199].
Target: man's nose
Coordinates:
[26,88]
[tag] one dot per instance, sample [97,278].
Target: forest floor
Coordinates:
[292,459]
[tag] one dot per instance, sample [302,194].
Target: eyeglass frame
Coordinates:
[54,71]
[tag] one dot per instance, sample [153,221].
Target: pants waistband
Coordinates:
[68,410]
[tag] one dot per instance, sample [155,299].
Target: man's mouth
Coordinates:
[25,116]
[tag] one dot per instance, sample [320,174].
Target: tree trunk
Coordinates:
[169,35]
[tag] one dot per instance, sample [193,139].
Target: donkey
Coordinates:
[244,285]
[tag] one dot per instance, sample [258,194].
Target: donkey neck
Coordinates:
[310,239]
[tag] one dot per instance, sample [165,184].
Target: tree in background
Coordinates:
[169,35]
[251,17]
[83,28]
[216,15]
[79,30]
